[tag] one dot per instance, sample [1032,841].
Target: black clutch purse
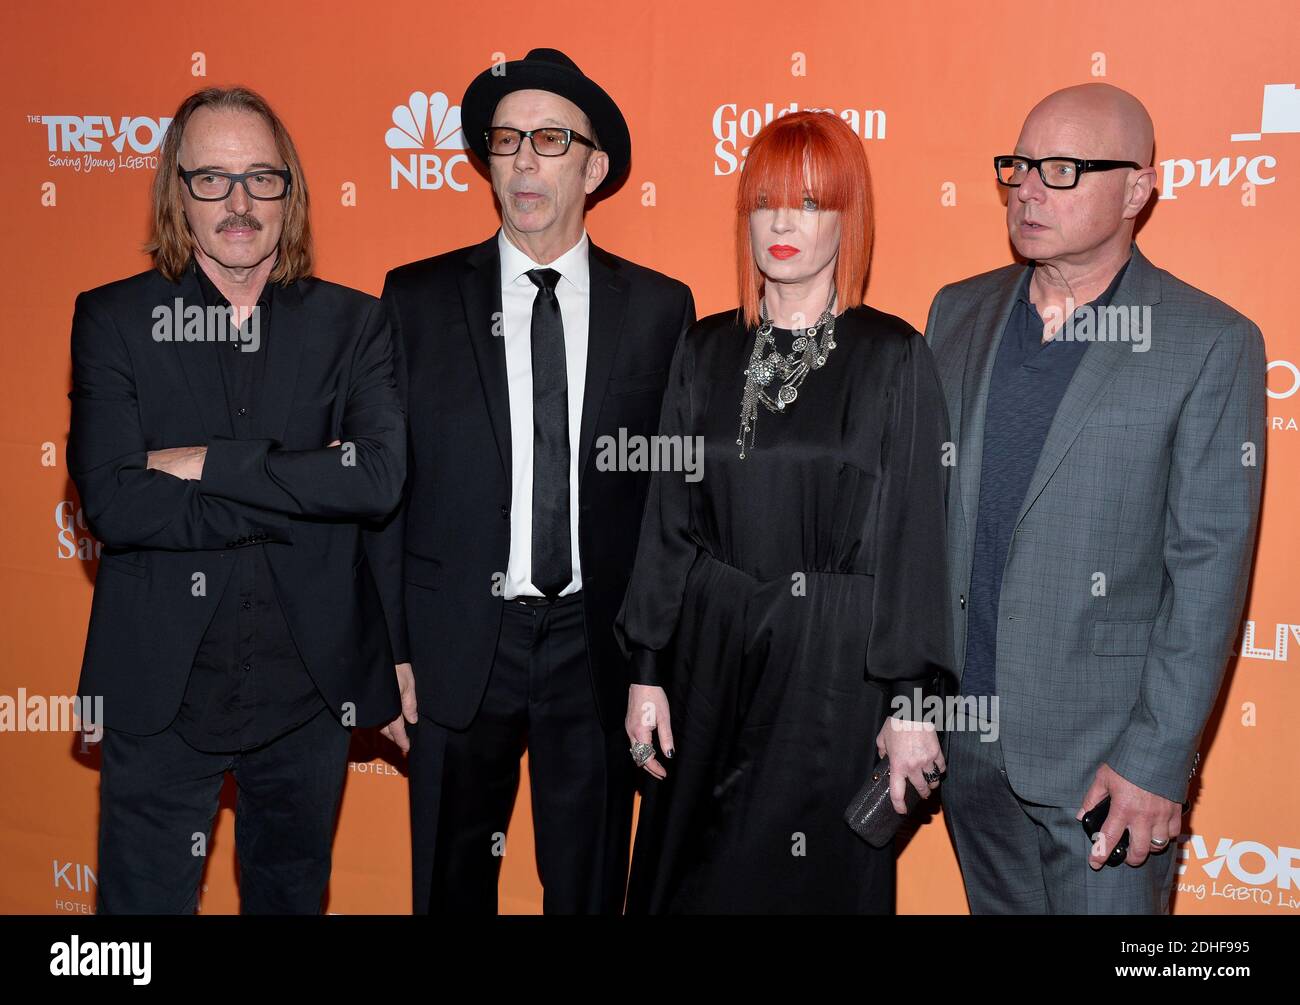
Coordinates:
[871,814]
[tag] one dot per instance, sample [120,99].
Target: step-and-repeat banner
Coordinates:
[371,95]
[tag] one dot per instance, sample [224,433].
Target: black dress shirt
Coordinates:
[248,684]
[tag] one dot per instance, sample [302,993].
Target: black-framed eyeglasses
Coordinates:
[213,186]
[1056,172]
[548,141]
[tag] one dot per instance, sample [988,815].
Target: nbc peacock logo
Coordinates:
[426,122]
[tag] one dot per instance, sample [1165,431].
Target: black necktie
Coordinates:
[552,561]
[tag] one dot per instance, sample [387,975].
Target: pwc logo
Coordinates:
[427,121]
[1280,114]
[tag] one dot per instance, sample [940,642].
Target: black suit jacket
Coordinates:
[441,561]
[329,375]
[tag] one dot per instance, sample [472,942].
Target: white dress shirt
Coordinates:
[517,293]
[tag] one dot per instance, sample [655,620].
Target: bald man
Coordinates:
[1109,429]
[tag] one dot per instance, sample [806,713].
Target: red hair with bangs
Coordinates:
[818,153]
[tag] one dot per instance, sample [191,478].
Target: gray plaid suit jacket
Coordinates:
[1150,475]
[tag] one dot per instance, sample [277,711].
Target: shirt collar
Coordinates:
[213,297]
[573,265]
[1102,301]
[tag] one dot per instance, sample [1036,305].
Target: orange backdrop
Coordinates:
[935,89]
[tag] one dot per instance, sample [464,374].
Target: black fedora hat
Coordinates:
[547,70]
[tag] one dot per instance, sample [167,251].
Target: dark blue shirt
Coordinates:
[1029,379]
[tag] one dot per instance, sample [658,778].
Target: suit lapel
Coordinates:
[990,323]
[604,328]
[283,357]
[480,291]
[1100,363]
[202,368]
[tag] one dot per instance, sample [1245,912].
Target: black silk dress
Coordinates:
[781,600]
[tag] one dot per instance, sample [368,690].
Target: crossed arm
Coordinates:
[203,496]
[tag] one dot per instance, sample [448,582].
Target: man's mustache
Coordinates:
[239,223]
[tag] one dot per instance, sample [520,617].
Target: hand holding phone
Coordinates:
[1092,822]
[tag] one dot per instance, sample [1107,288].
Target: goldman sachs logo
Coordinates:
[734,126]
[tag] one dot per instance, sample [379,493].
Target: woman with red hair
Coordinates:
[786,592]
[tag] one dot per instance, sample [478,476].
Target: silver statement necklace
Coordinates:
[808,352]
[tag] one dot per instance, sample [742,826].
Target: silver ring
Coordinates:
[932,775]
[642,752]
[1157,843]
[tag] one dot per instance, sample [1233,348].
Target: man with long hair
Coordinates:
[233,420]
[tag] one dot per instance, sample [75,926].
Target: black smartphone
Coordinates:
[1095,817]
